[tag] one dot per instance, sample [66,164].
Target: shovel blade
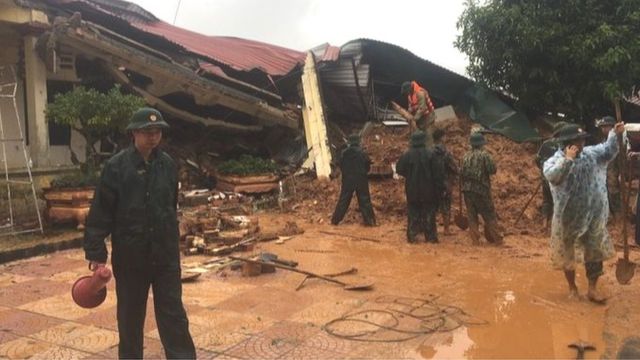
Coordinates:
[461,221]
[625,270]
[358,287]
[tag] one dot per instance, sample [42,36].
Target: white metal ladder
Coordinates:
[8,87]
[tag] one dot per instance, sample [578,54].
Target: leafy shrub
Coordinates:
[76,180]
[247,165]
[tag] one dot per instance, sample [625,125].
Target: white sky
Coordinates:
[425,27]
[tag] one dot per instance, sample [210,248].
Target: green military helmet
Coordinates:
[606,121]
[418,138]
[570,132]
[477,139]
[405,89]
[558,126]
[146,118]
[353,140]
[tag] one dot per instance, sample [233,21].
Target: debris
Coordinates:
[316,251]
[363,238]
[282,239]
[581,347]
[270,257]
[362,286]
[291,229]
[189,276]
[341,273]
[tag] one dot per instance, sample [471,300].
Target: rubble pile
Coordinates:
[219,223]
[516,180]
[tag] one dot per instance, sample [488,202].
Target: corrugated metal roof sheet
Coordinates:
[326,52]
[239,54]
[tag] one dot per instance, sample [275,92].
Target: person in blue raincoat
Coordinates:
[578,179]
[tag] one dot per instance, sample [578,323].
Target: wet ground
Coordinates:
[448,300]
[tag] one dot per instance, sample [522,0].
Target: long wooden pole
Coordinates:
[622,159]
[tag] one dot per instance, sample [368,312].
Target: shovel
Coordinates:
[625,269]
[461,219]
[364,286]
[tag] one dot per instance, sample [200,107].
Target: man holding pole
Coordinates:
[578,179]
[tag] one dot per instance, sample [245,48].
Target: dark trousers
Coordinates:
[132,290]
[422,219]
[364,202]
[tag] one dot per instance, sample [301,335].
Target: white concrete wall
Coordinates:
[9,56]
[44,155]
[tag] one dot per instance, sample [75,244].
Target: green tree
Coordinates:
[94,115]
[568,56]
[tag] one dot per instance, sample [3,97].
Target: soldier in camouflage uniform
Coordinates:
[605,125]
[354,165]
[546,151]
[135,202]
[424,186]
[450,174]
[477,169]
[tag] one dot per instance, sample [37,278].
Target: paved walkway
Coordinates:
[233,317]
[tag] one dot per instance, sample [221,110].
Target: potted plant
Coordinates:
[95,116]
[247,174]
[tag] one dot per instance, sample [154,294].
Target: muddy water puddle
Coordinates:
[524,302]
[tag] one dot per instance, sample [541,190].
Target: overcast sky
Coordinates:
[425,27]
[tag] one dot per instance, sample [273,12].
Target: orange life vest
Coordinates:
[413,99]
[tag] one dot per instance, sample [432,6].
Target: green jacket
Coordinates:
[135,203]
[546,151]
[477,168]
[424,175]
[354,165]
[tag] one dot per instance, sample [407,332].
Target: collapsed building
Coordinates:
[224,96]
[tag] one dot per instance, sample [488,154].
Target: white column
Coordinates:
[314,120]
[36,98]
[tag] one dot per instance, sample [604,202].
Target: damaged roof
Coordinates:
[239,54]
[236,53]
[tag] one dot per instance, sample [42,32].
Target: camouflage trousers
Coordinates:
[547,201]
[615,202]
[427,124]
[482,205]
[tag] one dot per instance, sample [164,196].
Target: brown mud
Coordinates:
[524,302]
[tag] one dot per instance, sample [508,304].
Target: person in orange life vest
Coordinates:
[421,107]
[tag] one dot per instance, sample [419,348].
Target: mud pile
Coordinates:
[516,181]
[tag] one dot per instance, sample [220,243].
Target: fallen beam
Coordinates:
[172,110]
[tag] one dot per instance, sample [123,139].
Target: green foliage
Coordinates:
[569,56]
[76,180]
[247,165]
[94,115]
[93,111]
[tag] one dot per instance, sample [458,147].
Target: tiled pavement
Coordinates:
[234,318]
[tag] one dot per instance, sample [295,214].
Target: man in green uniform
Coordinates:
[450,172]
[605,125]
[135,203]
[354,165]
[477,169]
[424,187]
